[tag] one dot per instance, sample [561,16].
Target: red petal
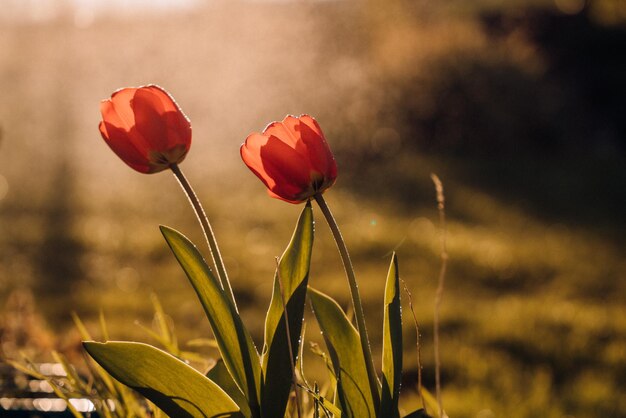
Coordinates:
[117,110]
[251,155]
[277,165]
[178,130]
[149,121]
[311,123]
[289,170]
[118,140]
[178,125]
[284,131]
[291,158]
[168,103]
[103,131]
[318,151]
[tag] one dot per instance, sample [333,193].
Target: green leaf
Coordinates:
[430,400]
[293,271]
[323,406]
[392,343]
[220,375]
[332,379]
[344,347]
[101,377]
[233,340]
[176,388]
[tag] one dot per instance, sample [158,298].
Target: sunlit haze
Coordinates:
[520,111]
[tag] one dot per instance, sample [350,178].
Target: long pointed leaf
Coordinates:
[293,270]
[344,346]
[178,389]
[234,342]
[392,343]
[220,375]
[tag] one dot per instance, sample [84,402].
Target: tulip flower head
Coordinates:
[145,128]
[292,158]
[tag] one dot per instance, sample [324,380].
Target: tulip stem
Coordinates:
[208,232]
[356,298]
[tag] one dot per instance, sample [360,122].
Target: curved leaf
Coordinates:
[344,346]
[234,342]
[220,375]
[293,270]
[178,389]
[392,343]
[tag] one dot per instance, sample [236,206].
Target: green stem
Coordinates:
[208,232]
[356,298]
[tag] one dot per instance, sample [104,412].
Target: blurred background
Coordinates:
[519,106]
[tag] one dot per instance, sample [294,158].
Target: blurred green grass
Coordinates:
[533,315]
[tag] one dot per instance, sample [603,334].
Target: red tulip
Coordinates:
[292,158]
[145,128]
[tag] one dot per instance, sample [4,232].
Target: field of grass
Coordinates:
[534,314]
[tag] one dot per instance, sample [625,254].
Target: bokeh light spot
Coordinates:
[127,279]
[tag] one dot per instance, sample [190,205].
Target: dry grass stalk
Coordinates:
[440,286]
